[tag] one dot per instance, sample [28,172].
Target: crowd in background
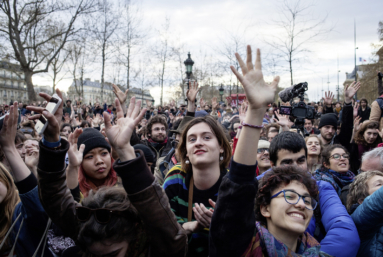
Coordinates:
[205,178]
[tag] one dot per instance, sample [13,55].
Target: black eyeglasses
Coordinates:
[101,215]
[292,197]
[337,156]
[263,150]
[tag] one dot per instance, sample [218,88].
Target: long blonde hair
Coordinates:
[7,206]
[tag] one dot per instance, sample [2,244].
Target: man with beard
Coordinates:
[158,141]
[309,128]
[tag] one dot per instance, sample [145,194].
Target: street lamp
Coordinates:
[189,67]
[221,89]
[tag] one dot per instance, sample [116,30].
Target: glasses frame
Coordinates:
[94,212]
[341,155]
[299,198]
[264,150]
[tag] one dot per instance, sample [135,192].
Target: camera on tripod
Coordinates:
[300,111]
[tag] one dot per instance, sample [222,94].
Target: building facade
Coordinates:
[12,83]
[92,92]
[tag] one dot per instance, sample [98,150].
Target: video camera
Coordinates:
[300,111]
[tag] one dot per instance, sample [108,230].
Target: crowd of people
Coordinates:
[200,179]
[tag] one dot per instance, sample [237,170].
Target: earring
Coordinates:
[221,158]
[187,162]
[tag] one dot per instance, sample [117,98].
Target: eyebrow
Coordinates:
[203,133]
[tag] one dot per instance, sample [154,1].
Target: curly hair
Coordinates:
[119,228]
[156,119]
[359,187]
[277,177]
[359,138]
[326,154]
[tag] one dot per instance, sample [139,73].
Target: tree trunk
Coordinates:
[28,80]
[291,70]
[102,72]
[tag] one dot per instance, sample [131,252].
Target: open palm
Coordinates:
[351,90]
[119,135]
[192,92]
[75,154]
[258,93]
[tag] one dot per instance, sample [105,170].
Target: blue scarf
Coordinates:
[336,179]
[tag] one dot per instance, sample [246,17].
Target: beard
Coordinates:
[158,138]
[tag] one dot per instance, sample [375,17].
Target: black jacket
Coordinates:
[365,115]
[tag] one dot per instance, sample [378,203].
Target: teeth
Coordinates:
[296,215]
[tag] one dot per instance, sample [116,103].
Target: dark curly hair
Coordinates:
[359,135]
[275,178]
[119,228]
[156,119]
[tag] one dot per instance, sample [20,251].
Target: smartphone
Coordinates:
[51,107]
[285,110]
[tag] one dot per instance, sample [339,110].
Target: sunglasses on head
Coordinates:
[101,215]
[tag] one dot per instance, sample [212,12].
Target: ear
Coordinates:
[360,201]
[265,211]
[326,166]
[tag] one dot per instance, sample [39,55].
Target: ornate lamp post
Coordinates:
[189,67]
[221,90]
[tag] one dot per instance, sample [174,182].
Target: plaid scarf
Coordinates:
[336,179]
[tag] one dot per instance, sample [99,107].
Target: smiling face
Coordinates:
[308,125]
[313,146]
[340,165]
[263,160]
[202,146]
[370,135]
[96,164]
[109,249]
[284,219]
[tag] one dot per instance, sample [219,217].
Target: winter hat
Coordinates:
[149,156]
[201,113]
[184,122]
[92,138]
[263,144]
[328,119]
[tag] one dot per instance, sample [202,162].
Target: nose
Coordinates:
[98,159]
[300,204]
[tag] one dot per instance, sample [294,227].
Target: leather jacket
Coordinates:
[167,237]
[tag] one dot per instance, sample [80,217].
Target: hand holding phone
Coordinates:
[49,117]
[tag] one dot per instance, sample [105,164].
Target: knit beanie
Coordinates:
[149,156]
[92,138]
[328,119]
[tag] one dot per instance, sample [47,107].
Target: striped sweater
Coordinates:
[176,187]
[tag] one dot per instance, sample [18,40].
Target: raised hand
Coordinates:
[120,134]
[357,123]
[350,91]
[202,103]
[9,129]
[283,120]
[329,97]
[75,154]
[258,93]
[119,94]
[355,111]
[52,131]
[214,103]
[192,92]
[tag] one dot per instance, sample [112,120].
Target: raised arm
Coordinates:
[191,95]
[168,238]
[121,96]
[233,223]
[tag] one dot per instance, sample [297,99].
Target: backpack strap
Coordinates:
[190,201]
[10,229]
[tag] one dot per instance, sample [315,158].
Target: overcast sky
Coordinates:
[202,25]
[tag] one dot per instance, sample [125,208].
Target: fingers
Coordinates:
[131,106]
[249,61]
[212,203]
[237,74]
[203,214]
[35,109]
[136,109]
[258,65]
[126,92]
[82,148]
[120,112]
[275,83]
[108,123]
[140,116]
[241,64]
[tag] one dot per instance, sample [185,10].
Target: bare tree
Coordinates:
[103,26]
[162,52]
[143,80]
[27,28]
[179,55]
[297,27]
[131,37]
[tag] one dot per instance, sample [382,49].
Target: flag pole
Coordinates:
[356,97]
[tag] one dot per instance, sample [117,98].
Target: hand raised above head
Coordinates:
[192,91]
[52,131]
[8,131]
[119,135]
[258,93]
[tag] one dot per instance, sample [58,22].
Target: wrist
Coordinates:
[126,154]
[51,139]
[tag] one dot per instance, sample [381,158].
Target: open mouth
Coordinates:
[297,215]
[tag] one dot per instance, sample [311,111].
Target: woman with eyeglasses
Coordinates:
[109,222]
[314,152]
[335,167]
[263,156]
[285,201]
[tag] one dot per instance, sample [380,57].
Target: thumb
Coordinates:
[108,125]
[81,149]
[212,203]
[126,92]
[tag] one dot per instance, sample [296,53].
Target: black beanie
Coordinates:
[92,138]
[149,156]
[328,119]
